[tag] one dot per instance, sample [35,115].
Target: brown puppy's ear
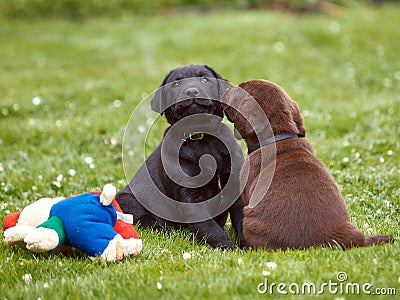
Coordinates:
[227,101]
[298,119]
[243,110]
[231,115]
[157,103]
[254,122]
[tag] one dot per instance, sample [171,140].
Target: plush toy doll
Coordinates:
[91,222]
[17,225]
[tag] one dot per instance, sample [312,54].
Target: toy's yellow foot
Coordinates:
[118,248]
[132,247]
[114,250]
[16,235]
[42,240]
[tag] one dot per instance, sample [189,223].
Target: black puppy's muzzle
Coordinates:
[192,92]
[193,96]
[196,105]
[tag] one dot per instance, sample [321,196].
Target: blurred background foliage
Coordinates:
[78,9]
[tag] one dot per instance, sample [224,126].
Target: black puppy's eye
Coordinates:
[204,79]
[175,84]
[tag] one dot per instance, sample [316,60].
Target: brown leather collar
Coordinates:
[271,140]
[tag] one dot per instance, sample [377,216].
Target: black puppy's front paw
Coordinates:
[224,247]
[242,243]
[220,242]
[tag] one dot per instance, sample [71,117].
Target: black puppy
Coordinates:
[174,187]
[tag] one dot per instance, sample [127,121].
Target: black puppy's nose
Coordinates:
[192,92]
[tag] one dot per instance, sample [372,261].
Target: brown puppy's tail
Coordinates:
[347,235]
[377,239]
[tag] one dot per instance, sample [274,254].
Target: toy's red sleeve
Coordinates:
[126,230]
[96,192]
[11,220]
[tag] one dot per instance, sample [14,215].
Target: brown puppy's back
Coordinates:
[293,213]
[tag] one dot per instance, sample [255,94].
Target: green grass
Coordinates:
[344,72]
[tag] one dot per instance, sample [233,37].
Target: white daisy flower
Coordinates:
[88,160]
[60,177]
[57,184]
[266,273]
[27,278]
[36,100]
[117,103]
[271,265]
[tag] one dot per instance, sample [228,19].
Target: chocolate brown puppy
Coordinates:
[303,206]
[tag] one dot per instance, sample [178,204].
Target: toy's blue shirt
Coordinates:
[88,224]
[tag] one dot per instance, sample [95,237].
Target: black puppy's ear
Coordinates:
[157,103]
[223,84]
[216,75]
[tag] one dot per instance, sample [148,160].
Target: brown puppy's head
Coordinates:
[282,113]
